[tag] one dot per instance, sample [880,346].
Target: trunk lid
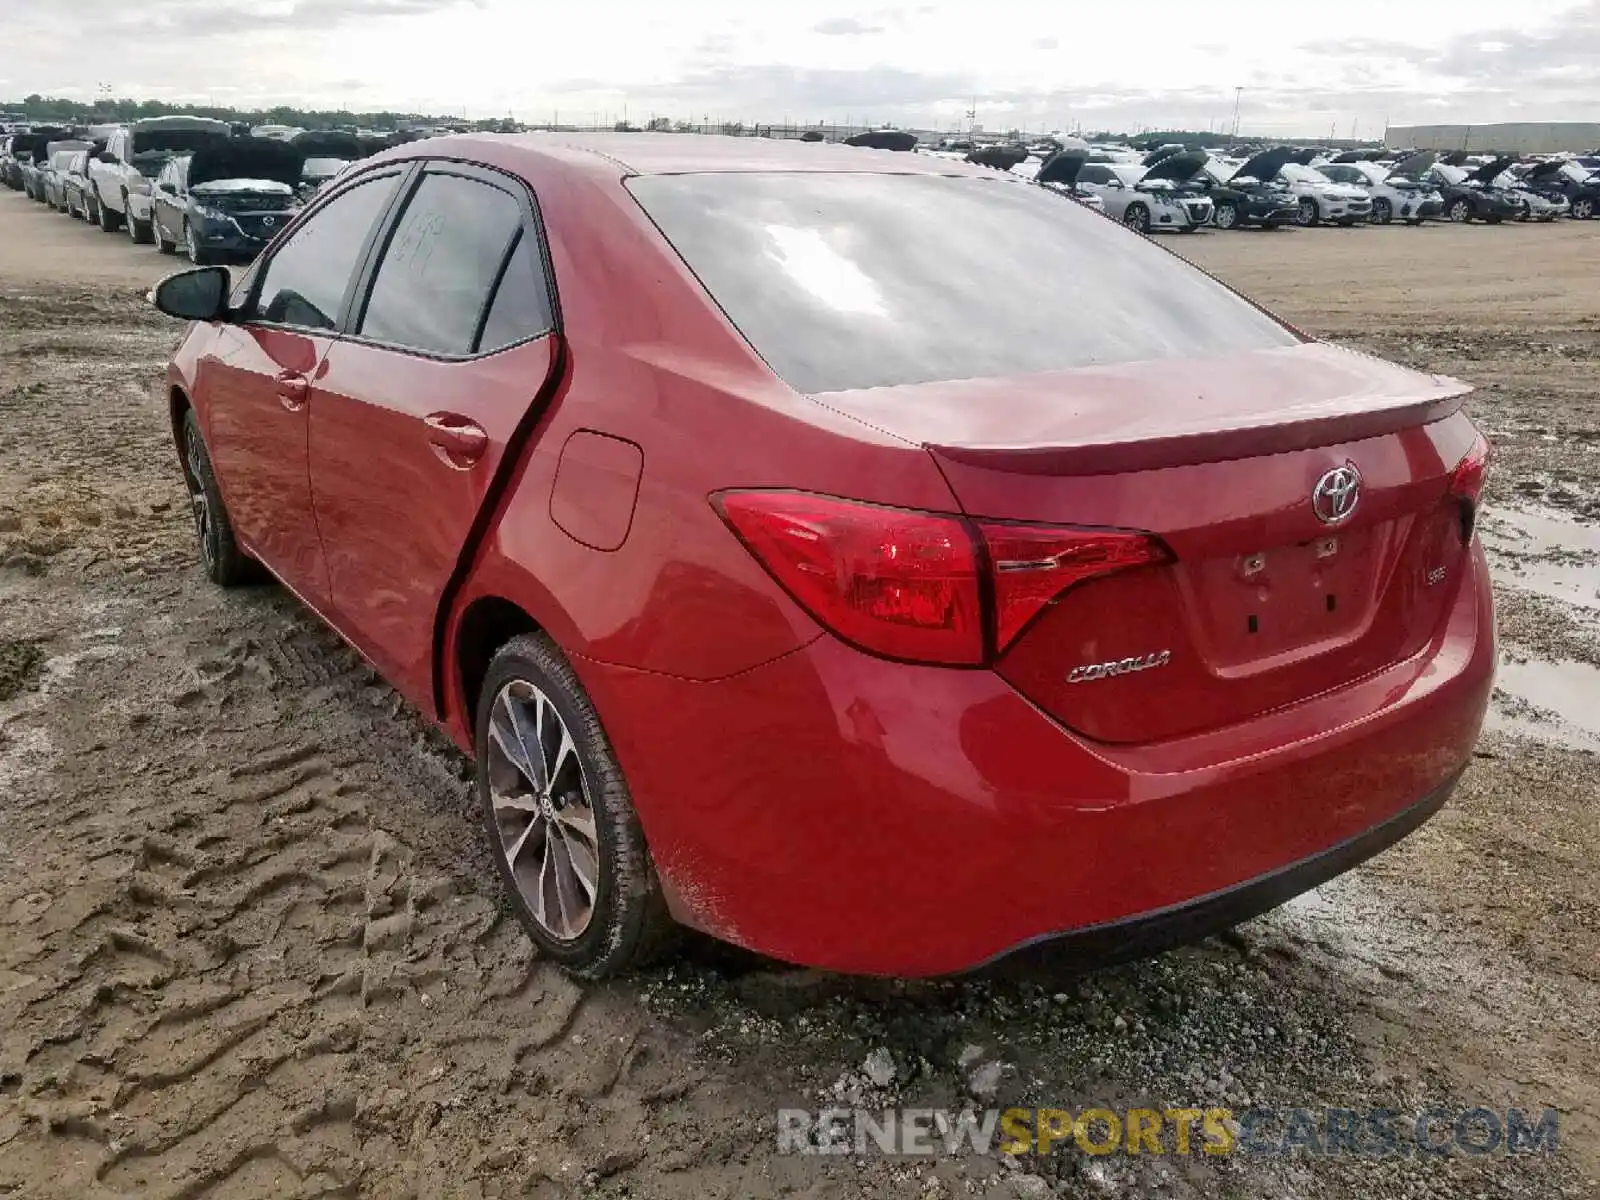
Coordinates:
[1265,602]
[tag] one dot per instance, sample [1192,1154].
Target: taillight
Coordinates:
[1034,564]
[898,583]
[924,587]
[1467,481]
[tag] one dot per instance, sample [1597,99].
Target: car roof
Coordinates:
[623,154]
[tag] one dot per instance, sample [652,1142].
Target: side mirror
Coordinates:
[106,156]
[167,186]
[199,295]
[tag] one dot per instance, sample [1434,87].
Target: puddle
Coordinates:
[1543,553]
[1569,691]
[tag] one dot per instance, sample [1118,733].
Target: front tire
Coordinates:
[566,840]
[1226,216]
[110,221]
[1309,213]
[226,565]
[1460,211]
[1382,210]
[1582,209]
[197,255]
[139,232]
[1136,217]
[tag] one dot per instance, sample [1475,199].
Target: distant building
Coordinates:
[1532,137]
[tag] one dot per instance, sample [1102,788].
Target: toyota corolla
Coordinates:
[870,612]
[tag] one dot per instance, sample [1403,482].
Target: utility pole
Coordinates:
[1238,93]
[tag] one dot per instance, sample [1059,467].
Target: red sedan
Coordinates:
[865,558]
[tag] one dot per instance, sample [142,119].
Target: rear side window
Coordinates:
[443,260]
[844,281]
[305,281]
[521,306]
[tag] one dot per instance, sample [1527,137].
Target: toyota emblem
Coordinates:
[269,221]
[1336,495]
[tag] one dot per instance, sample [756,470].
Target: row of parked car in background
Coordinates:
[1183,189]
[214,190]
[209,189]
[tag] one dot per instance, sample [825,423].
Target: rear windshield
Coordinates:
[844,281]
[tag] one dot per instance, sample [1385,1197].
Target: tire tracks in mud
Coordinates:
[244,947]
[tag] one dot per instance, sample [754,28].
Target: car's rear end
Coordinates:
[1202,623]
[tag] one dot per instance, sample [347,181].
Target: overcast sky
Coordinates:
[1111,64]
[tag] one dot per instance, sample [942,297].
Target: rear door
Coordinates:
[412,414]
[256,381]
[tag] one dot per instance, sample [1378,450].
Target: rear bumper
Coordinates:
[1154,932]
[832,809]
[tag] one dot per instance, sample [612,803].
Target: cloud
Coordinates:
[924,64]
[844,27]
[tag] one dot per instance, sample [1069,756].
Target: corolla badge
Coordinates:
[1122,666]
[1336,495]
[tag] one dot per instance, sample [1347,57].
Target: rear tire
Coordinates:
[566,840]
[226,565]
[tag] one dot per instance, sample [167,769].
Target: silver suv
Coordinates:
[123,172]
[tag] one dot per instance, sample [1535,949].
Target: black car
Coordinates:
[325,152]
[1469,193]
[1569,178]
[227,199]
[10,168]
[1251,195]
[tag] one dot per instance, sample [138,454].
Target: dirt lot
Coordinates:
[250,942]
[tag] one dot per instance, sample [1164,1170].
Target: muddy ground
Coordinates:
[251,945]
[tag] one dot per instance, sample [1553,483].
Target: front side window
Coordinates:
[829,279]
[305,281]
[443,259]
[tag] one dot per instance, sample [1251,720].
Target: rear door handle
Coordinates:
[460,443]
[293,388]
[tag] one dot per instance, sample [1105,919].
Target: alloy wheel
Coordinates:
[1225,217]
[1308,212]
[542,810]
[199,503]
[1460,211]
[1583,208]
[1382,211]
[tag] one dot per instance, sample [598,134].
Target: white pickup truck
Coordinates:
[123,173]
